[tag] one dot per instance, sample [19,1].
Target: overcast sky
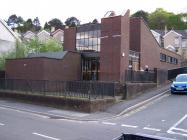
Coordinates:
[84,10]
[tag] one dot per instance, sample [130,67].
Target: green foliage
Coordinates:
[34,46]
[72,22]
[142,14]
[51,46]
[4,56]
[159,19]
[57,23]
[37,46]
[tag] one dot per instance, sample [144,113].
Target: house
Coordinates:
[106,51]
[58,35]
[7,38]
[29,35]
[174,40]
[43,35]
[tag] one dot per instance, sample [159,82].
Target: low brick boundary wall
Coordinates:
[83,105]
[134,89]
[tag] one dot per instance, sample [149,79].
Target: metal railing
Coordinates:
[79,89]
[140,76]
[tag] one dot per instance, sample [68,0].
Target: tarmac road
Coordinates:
[165,117]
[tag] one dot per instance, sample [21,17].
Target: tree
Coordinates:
[47,27]
[28,25]
[16,22]
[36,24]
[159,19]
[51,46]
[72,22]
[19,52]
[141,13]
[37,46]
[12,21]
[57,23]
[95,21]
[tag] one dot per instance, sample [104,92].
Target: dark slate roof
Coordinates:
[161,32]
[182,32]
[88,27]
[53,55]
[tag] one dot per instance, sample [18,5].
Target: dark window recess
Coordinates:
[163,57]
[168,59]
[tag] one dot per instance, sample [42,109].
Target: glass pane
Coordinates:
[86,42]
[94,41]
[95,33]
[82,35]
[99,41]
[78,36]
[90,42]
[86,35]
[90,34]
[98,33]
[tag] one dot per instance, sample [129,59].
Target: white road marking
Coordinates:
[152,129]
[2,124]
[179,129]
[174,127]
[108,123]
[131,126]
[44,136]
[163,120]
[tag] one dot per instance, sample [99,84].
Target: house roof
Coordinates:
[183,33]
[161,32]
[172,31]
[56,31]
[53,55]
[29,32]
[43,31]
[10,30]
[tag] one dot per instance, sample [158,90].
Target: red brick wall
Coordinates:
[150,51]
[110,49]
[125,43]
[45,69]
[114,48]
[25,69]
[142,40]
[70,39]
[135,34]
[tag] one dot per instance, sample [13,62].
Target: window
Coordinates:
[88,40]
[163,57]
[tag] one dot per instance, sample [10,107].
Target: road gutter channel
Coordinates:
[141,103]
[49,115]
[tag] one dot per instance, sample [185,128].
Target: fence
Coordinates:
[140,76]
[80,89]
[174,72]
